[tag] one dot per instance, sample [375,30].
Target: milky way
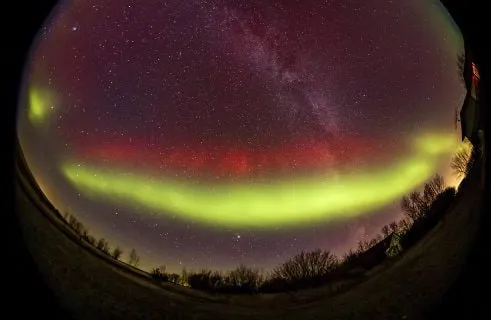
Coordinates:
[213,133]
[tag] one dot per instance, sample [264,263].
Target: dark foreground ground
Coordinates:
[88,287]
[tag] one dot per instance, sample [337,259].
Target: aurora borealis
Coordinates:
[214,133]
[266,205]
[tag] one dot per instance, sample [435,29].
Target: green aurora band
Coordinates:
[40,105]
[278,204]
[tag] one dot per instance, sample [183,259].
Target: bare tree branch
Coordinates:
[307,265]
[463,160]
[134,258]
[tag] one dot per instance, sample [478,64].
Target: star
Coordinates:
[224,132]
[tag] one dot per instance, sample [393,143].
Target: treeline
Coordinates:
[101,244]
[464,161]
[421,211]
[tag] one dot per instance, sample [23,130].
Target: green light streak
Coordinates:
[434,144]
[282,203]
[39,108]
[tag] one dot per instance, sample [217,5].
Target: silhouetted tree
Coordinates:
[90,239]
[85,234]
[215,279]
[393,227]
[74,223]
[432,189]
[363,245]
[373,241]
[404,225]
[464,160]
[349,256]
[117,253]
[159,274]
[459,163]
[410,205]
[416,205]
[72,220]
[184,277]
[360,246]
[103,245]
[77,226]
[307,266]
[174,278]
[100,243]
[437,208]
[205,280]
[244,279]
[134,259]
[196,281]
[386,231]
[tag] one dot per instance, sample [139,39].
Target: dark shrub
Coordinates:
[307,269]
[158,275]
[201,281]
[174,278]
[274,285]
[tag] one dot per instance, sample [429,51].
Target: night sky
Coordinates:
[214,133]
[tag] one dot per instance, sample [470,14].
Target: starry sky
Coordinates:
[207,134]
